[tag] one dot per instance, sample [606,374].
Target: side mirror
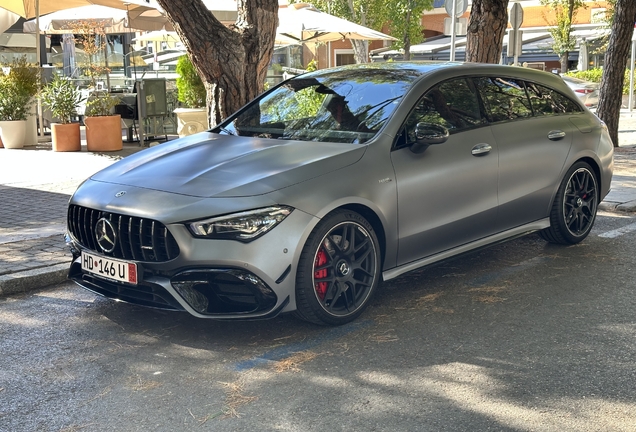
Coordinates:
[427,134]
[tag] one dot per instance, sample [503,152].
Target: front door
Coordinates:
[447,195]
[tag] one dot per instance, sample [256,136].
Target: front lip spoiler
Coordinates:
[176,302]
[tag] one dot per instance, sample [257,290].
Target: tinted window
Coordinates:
[504,98]
[452,104]
[546,101]
[348,106]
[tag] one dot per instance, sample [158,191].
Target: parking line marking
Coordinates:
[619,231]
[280,353]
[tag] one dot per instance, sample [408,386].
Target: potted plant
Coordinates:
[18,84]
[193,116]
[103,128]
[63,98]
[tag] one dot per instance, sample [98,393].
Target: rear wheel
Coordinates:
[574,208]
[338,270]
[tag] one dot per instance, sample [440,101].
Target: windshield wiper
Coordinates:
[227,131]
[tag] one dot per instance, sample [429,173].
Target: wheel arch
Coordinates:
[373,219]
[597,172]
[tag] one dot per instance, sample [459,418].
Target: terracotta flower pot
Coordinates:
[66,137]
[103,133]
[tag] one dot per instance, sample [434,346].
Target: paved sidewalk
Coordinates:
[36,183]
[35,186]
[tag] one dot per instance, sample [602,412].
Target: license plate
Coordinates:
[122,271]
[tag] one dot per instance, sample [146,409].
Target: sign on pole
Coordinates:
[455,8]
[515,43]
[516,16]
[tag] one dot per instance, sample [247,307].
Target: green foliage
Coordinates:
[404,17]
[19,82]
[562,14]
[596,74]
[62,98]
[192,92]
[592,75]
[100,103]
[405,20]
[312,65]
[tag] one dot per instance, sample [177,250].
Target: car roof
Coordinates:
[415,70]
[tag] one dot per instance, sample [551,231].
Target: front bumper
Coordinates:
[218,279]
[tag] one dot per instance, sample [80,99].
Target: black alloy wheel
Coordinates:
[339,270]
[575,205]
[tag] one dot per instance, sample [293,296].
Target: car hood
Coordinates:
[212,165]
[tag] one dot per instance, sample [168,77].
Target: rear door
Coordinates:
[533,134]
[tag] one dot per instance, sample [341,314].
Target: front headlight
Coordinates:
[245,226]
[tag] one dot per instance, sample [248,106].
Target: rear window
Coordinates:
[504,98]
[546,101]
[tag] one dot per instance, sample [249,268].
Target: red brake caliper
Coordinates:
[321,287]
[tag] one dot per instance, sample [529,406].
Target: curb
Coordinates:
[610,206]
[28,280]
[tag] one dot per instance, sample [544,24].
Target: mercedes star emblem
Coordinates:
[105,235]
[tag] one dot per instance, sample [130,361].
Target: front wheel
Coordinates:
[574,209]
[338,270]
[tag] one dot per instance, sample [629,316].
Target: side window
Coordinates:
[452,104]
[546,101]
[504,98]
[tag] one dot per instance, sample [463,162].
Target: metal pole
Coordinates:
[631,75]
[141,129]
[38,49]
[515,58]
[453,18]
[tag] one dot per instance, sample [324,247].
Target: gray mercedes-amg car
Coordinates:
[312,194]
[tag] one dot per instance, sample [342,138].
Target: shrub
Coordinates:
[62,98]
[100,103]
[189,84]
[17,88]
[595,75]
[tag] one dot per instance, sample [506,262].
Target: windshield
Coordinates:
[343,105]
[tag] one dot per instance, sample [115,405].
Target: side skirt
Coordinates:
[481,243]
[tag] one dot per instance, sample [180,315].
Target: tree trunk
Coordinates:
[360,50]
[564,61]
[232,62]
[488,22]
[360,47]
[407,37]
[611,89]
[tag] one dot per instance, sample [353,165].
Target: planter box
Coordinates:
[66,137]
[12,133]
[191,121]
[103,133]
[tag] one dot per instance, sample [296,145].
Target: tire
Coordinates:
[574,209]
[338,269]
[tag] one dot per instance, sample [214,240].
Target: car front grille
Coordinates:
[137,238]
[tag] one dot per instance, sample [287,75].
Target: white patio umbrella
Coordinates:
[7,19]
[302,22]
[35,8]
[158,36]
[583,56]
[112,20]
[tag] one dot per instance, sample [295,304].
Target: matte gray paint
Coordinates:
[208,175]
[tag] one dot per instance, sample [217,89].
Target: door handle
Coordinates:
[556,135]
[481,149]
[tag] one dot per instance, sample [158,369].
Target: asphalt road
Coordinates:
[523,336]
